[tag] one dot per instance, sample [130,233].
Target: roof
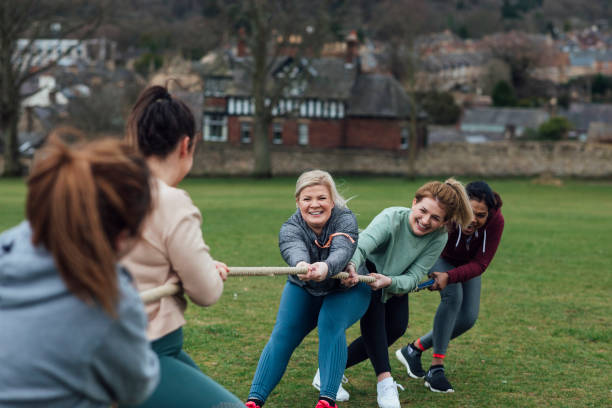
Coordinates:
[378,95]
[520,117]
[450,61]
[583,114]
[326,78]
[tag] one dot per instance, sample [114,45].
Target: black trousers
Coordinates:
[381,325]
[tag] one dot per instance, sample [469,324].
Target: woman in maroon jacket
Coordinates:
[457,274]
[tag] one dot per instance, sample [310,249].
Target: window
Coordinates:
[277,133]
[303,134]
[215,127]
[245,132]
[214,86]
[404,138]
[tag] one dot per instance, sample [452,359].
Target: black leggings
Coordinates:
[381,325]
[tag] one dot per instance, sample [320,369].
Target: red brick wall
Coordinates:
[359,133]
[321,133]
[217,102]
[373,133]
[324,133]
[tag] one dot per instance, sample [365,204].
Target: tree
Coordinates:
[522,52]
[503,94]
[275,32]
[398,23]
[28,20]
[555,128]
[441,107]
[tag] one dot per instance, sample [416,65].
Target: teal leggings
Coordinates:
[299,313]
[182,384]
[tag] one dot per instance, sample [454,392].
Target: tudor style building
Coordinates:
[340,106]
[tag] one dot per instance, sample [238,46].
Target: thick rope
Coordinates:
[170,289]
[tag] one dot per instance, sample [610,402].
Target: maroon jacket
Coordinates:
[472,258]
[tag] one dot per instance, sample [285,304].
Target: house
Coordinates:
[334,105]
[452,71]
[67,51]
[494,124]
[591,121]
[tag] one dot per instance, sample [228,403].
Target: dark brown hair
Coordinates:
[158,122]
[452,197]
[79,201]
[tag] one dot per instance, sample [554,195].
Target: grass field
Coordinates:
[544,335]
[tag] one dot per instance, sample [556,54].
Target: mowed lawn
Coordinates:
[544,335]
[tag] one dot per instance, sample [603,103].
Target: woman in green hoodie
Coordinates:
[398,248]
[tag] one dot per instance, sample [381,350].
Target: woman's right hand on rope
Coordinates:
[381,281]
[222,269]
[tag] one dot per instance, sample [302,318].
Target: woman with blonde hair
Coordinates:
[72,324]
[321,235]
[398,248]
[172,250]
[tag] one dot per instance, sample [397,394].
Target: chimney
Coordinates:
[352,47]
[241,47]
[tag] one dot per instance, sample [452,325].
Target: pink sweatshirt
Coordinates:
[172,250]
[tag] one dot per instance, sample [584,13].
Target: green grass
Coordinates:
[543,338]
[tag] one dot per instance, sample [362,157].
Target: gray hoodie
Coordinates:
[297,243]
[56,350]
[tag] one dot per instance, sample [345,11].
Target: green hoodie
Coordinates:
[390,244]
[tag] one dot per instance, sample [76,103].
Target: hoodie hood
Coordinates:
[494,214]
[25,283]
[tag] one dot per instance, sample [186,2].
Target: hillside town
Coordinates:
[505,86]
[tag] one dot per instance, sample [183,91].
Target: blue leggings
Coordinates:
[457,312]
[298,314]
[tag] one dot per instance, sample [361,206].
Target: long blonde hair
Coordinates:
[79,201]
[452,197]
[320,178]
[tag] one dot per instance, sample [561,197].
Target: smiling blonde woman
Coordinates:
[321,235]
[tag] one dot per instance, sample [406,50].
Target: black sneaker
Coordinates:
[411,358]
[436,381]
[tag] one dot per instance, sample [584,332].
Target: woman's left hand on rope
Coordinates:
[222,269]
[316,272]
[353,277]
[381,281]
[441,280]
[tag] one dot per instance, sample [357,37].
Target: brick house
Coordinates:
[339,106]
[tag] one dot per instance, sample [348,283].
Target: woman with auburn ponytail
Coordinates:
[457,274]
[72,326]
[398,248]
[172,250]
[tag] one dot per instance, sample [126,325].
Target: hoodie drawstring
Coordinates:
[458,237]
[484,241]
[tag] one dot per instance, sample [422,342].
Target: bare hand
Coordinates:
[316,272]
[353,277]
[381,281]
[441,280]
[222,269]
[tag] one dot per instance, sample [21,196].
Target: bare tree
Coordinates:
[28,20]
[278,31]
[522,53]
[400,22]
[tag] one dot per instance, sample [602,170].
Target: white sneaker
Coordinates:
[387,395]
[341,395]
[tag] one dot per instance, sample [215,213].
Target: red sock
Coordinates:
[418,345]
[440,356]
